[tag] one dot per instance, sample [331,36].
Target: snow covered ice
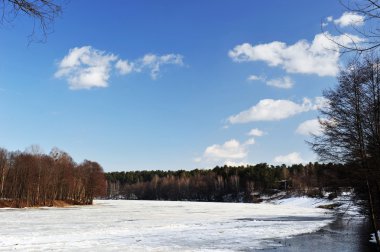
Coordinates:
[111,225]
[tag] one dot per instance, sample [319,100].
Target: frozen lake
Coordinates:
[111,225]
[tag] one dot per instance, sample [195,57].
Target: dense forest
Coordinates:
[34,179]
[243,184]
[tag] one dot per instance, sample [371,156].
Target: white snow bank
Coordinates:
[112,225]
[305,202]
[346,207]
[373,238]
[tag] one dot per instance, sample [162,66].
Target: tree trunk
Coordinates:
[372,214]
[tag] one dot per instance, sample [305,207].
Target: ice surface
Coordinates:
[112,225]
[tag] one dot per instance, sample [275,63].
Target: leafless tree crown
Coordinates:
[42,13]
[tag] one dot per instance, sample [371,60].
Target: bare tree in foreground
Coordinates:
[42,12]
[351,125]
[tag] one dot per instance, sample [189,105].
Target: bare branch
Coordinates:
[42,12]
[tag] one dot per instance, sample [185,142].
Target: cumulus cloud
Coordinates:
[256,132]
[124,67]
[250,141]
[284,82]
[272,110]
[320,103]
[310,127]
[154,62]
[349,19]
[231,149]
[86,67]
[291,158]
[317,57]
[255,78]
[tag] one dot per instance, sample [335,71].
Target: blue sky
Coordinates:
[166,85]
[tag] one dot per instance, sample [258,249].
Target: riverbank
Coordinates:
[7,203]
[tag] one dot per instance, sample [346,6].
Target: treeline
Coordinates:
[34,179]
[227,183]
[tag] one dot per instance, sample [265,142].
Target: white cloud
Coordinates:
[284,82]
[149,59]
[272,110]
[318,57]
[320,103]
[85,68]
[231,149]
[310,127]
[255,78]
[328,20]
[250,141]
[124,67]
[256,132]
[291,158]
[349,19]
[153,62]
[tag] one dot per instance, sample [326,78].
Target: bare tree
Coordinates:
[34,179]
[93,180]
[351,124]
[42,12]
[3,169]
